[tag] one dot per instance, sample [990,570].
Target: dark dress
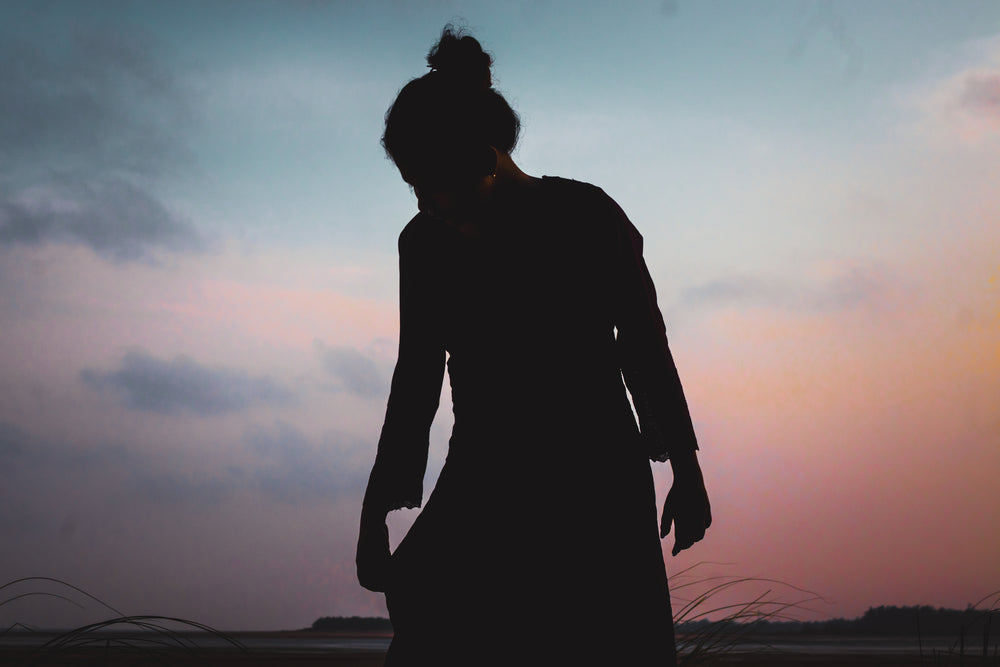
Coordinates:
[539,543]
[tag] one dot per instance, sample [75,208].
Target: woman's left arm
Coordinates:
[652,379]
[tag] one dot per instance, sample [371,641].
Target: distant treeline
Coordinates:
[892,620]
[908,621]
[351,624]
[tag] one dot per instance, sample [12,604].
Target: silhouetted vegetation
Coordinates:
[883,621]
[141,637]
[880,621]
[352,624]
[876,621]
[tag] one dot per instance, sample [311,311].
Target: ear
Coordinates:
[488,161]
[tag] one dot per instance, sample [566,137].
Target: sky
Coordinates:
[198,287]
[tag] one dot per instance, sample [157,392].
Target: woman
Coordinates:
[539,543]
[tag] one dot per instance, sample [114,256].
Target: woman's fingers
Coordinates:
[668,515]
[687,533]
[687,507]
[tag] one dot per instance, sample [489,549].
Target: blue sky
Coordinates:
[198,280]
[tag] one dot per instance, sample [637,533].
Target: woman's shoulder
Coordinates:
[420,231]
[586,203]
[583,196]
[571,186]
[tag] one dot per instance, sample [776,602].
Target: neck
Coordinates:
[509,173]
[509,185]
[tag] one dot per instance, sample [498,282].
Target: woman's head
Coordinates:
[445,127]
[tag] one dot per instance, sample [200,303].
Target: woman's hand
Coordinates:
[687,505]
[373,554]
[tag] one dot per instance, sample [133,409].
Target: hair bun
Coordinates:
[461,58]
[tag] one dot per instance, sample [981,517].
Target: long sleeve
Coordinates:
[647,364]
[397,476]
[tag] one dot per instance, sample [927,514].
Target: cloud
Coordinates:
[669,8]
[980,93]
[969,104]
[90,121]
[12,441]
[92,99]
[171,488]
[185,386]
[965,104]
[353,371]
[117,219]
[825,18]
[844,287]
[42,477]
[17,446]
[296,471]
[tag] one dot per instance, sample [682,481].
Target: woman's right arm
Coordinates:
[397,476]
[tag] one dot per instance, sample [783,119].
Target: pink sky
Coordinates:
[201,407]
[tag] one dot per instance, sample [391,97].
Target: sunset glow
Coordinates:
[198,288]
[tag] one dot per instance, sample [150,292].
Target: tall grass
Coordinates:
[149,637]
[983,612]
[736,624]
[710,625]
[702,597]
[166,638]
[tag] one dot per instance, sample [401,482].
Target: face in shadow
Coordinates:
[456,195]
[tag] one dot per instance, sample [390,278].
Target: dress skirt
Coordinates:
[521,560]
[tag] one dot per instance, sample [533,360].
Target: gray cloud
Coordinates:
[94,99]
[172,488]
[41,478]
[295,470]
[278,463]
[12,446]
[856,286]
[352,370]
[981,94]
[88,125]
[283,465]
[724,292]
[184,386]
[18,447]
[116,218]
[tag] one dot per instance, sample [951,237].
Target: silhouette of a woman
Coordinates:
[539,543]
